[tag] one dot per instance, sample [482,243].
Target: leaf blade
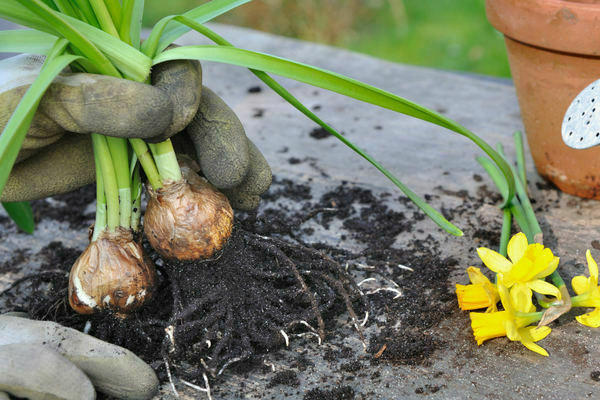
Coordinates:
[22,214]
[26,41]
[435,216]
[336,83]
[200,14]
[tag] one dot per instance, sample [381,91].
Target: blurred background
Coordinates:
[445,34]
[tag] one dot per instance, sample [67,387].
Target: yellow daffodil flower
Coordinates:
[512,322]
[588,294]
[480,293]
[528,265]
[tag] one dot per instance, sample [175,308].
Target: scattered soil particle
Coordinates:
[258,113]
[319,133]
[595,375]
[286,378]
[19,257]
[596,244]
[254,89]
[316,107]
[337,393]
[294,160]
[351,366]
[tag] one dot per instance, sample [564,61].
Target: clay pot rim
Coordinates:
[561,25]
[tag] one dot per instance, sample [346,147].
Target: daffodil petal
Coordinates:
[494,260]
[488,325]
[551,267]
[520,295]
[593,267]
[580,284]
[544,287]
[591,319]
[511,330]
[520,272]
[535,348]
[538,332]
[517,246]
[476,276]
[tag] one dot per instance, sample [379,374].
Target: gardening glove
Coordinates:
[42,360]
[227,158]
[239,169]
[52,159]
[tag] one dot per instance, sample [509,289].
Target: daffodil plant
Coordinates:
[522,266]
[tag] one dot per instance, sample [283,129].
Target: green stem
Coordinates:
[519,214]
[536,230]
[557,279]
[120,158]
[143,154]
[584,300]
[505,235]
[520,151]
[136,190]
[109,180]
[526,319]
[166,161]
[100,224]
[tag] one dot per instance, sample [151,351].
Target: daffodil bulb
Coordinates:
[189,219]
[111,274]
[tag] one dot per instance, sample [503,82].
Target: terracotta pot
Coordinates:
[554,52]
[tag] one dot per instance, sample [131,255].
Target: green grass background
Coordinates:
[445,34]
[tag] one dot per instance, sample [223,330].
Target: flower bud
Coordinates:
[189,219]
[111,274]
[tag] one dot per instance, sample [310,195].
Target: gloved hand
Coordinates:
[54,161]
[42,360]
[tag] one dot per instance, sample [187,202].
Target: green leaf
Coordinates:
[22,214]
[136,23]
[86,9]
[130,61]
[26,41]
[334,82]
[59,23]
[65,7]
[16,128]
[200,14]
[131,22]
[279,89]
[14,11]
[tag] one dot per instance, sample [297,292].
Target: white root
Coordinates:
[285,337]
[366,319]
[170,377]
[205,389]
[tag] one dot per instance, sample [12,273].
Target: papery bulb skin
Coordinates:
[113,273]
[188,220]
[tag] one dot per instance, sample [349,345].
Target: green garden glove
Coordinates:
[54,161]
